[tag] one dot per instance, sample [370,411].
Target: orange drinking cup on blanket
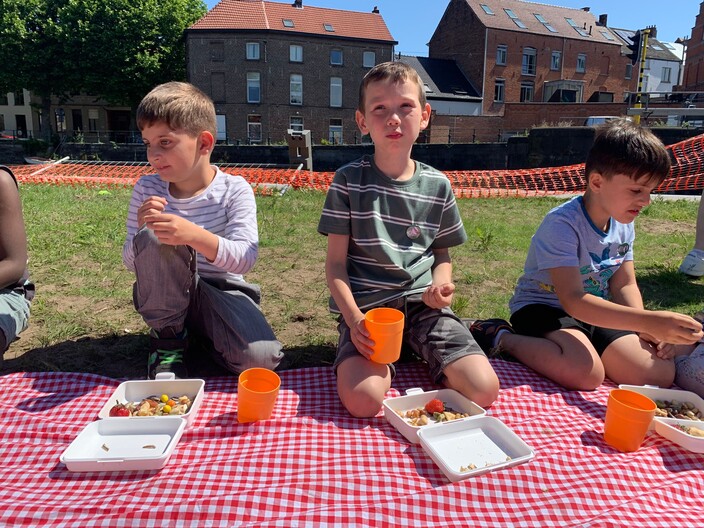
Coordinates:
[385,326]
[628,416]
[257,389]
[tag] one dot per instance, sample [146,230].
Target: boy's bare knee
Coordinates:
[361,405]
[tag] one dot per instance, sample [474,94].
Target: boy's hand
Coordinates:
[360,337]
[439,296]
[151,206]
[662,350]
[172,229]
[678,329]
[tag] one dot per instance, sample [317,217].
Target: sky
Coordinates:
[412,22]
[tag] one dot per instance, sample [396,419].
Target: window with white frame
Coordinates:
[336,57]
[629,71]
[368,59]
[581,63]
[295,123]
[556,60]
[529,60]
[254,91]
[526,92]
[666,75]
[336,92]
[295,53]
[254,128]
[335,132]
[296,89]
[499,90]
[501,54]
[19,98]
[252,50]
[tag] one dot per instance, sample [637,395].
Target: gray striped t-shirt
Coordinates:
[393,227]
[226,208]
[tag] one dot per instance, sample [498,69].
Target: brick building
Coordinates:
[526,52]
[693,80]
[270,67]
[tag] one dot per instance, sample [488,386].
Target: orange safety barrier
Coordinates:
[687,174]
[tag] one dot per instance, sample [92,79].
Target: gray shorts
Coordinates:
[14,314]
[438,336]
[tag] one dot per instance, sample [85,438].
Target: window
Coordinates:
[336,57]
[295,53]
[582,31]
[499,90]
[254,128]
[666,75]
[368,59]
[515,19]
[544,22]
[336,91]
[287,22]
[501,53]
[526,92]
[329,28]
[335,132]
[296,89]
[254,90]
[296,123]
[217,86]
[606,35]
[487,9]
[556,60]
[19,98]
[629,71]
[581,63]
[93,119]
[528,65]
[217,51]
[252,50]
[60,119]
[3,99]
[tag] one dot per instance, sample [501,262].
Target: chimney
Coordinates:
[298,4]
[602,19]
[375,10]
[586,9]
[653,31]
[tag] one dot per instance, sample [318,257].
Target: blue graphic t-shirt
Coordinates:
[568,238]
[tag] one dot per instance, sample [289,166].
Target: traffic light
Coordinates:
[634,47]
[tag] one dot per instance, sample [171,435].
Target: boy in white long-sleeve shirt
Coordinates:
[191,235]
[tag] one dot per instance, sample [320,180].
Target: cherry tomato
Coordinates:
[119,409]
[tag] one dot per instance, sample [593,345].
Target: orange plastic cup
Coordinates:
[385,326]
[257,389]
[628,416]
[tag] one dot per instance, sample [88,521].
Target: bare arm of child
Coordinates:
[439,294]
[13,238]
[664,326]
[174,230]
[339,285]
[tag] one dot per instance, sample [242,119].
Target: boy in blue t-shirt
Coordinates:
[577,314]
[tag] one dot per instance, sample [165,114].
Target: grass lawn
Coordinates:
[83,319]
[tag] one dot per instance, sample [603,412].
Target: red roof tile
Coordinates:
[555,16]
[261,15]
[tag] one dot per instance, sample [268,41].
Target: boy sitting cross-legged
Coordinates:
[577,314]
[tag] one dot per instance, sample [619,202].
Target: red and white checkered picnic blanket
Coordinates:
[314,465]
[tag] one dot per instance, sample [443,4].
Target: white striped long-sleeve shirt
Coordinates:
[227,208]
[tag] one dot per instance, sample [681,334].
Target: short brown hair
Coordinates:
[181,106]
[622,147]
[395,72]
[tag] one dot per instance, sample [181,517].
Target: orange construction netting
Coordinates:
[687,174]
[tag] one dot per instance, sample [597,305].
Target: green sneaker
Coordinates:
[167,354]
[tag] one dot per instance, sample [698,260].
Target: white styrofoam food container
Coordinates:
[124,445]
[667,427]
[416,398]
[476,445]
[135,391]
[659,394]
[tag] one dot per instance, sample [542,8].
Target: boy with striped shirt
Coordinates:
[191,235]
[390,222]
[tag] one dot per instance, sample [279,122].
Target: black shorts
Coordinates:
[536,320]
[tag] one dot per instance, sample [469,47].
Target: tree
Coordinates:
[116,50]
